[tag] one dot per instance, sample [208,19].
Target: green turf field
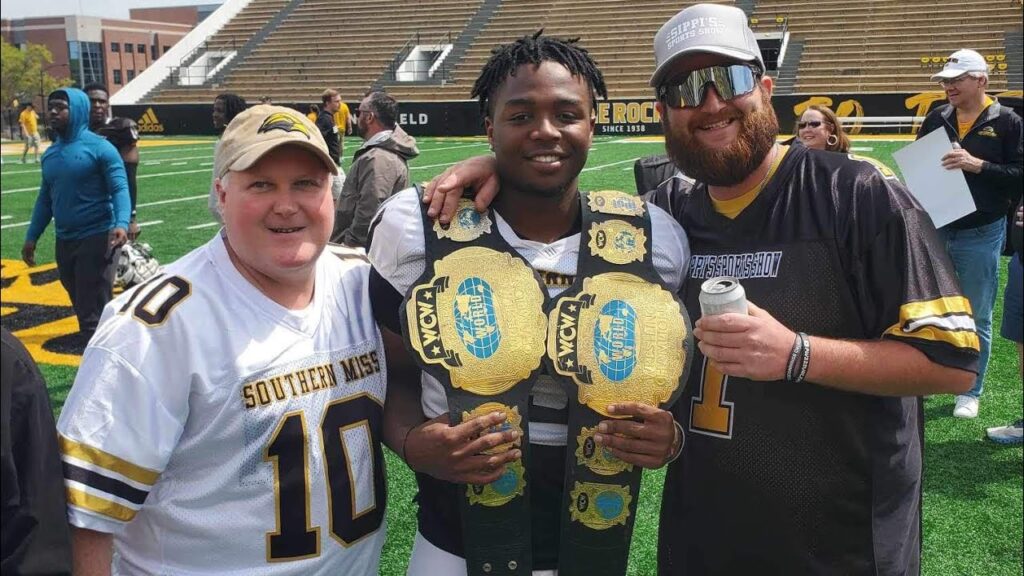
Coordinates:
[973,488]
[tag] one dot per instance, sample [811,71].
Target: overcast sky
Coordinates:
[106,8]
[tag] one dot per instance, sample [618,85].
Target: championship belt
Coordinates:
[616,335]
[475,321]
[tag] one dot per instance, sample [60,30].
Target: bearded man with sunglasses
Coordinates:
[803,453]
[808,467]
[380,168]
[988,151]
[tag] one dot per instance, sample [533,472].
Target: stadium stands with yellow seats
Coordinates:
[351,44]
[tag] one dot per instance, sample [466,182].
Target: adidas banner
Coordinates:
[623,117]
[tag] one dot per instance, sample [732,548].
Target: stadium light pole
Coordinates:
[42,96]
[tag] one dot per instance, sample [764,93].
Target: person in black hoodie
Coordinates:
[34,538]
[987,147]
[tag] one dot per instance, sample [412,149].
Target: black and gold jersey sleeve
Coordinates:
[904,283]
[121,132]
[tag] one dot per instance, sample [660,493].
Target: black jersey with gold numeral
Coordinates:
[782,478]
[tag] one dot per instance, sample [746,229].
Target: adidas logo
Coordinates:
[148,122]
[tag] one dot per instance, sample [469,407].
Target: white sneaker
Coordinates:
[966,407]
[1009,434]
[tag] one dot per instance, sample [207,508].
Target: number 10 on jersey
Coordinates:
[355,493]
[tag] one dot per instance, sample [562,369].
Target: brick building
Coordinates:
[111,51]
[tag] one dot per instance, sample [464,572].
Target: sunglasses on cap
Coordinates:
[729,81]
[812,124]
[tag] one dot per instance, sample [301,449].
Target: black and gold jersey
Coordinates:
[782,478]
[121,132]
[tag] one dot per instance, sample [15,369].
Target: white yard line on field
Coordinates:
[172,200]
[13,190]
[146,152]
[432,166]
[172,173]
[21,172]
[150,223]
[155,162]
[454,147]
[6,217]
[206,225]
[599,167]
[15,225]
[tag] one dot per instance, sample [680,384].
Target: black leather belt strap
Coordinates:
[616,317]
[468,323]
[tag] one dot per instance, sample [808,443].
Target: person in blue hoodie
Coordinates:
[85,192]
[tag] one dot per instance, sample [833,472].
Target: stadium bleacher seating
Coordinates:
[862,46]
[344,44]
[877,45]
[243,26]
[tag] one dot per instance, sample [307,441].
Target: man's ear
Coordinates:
[768,84]
[221,187]
[489,129]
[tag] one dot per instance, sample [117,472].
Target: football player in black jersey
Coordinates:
[123,133]
[804,452]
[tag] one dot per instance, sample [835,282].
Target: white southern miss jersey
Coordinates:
[397,253]
[213,431]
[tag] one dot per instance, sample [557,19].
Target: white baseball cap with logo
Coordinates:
[705,28]
[260,129]
[962,62]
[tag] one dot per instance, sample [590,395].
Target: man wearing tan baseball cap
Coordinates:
[217,424]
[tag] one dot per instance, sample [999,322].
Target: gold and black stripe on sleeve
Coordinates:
[101,483]
[947,320]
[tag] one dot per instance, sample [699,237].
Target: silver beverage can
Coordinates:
[721,295]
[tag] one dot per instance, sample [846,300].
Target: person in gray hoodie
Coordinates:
[379,168]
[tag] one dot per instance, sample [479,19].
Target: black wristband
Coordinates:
[805,357]
[794,357]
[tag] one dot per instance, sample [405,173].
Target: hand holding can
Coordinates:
[721,295]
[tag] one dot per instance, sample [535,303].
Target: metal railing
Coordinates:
[419,66]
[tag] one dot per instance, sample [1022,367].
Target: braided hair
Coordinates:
[507,58]
[233,105]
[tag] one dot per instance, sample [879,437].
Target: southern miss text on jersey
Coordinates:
[216,432]
[781,478]
[398,256]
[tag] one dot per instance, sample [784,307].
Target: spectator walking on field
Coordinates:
[30,129]
[379,168]
[85,192]
[225,107]
[326,122]
[988,150]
